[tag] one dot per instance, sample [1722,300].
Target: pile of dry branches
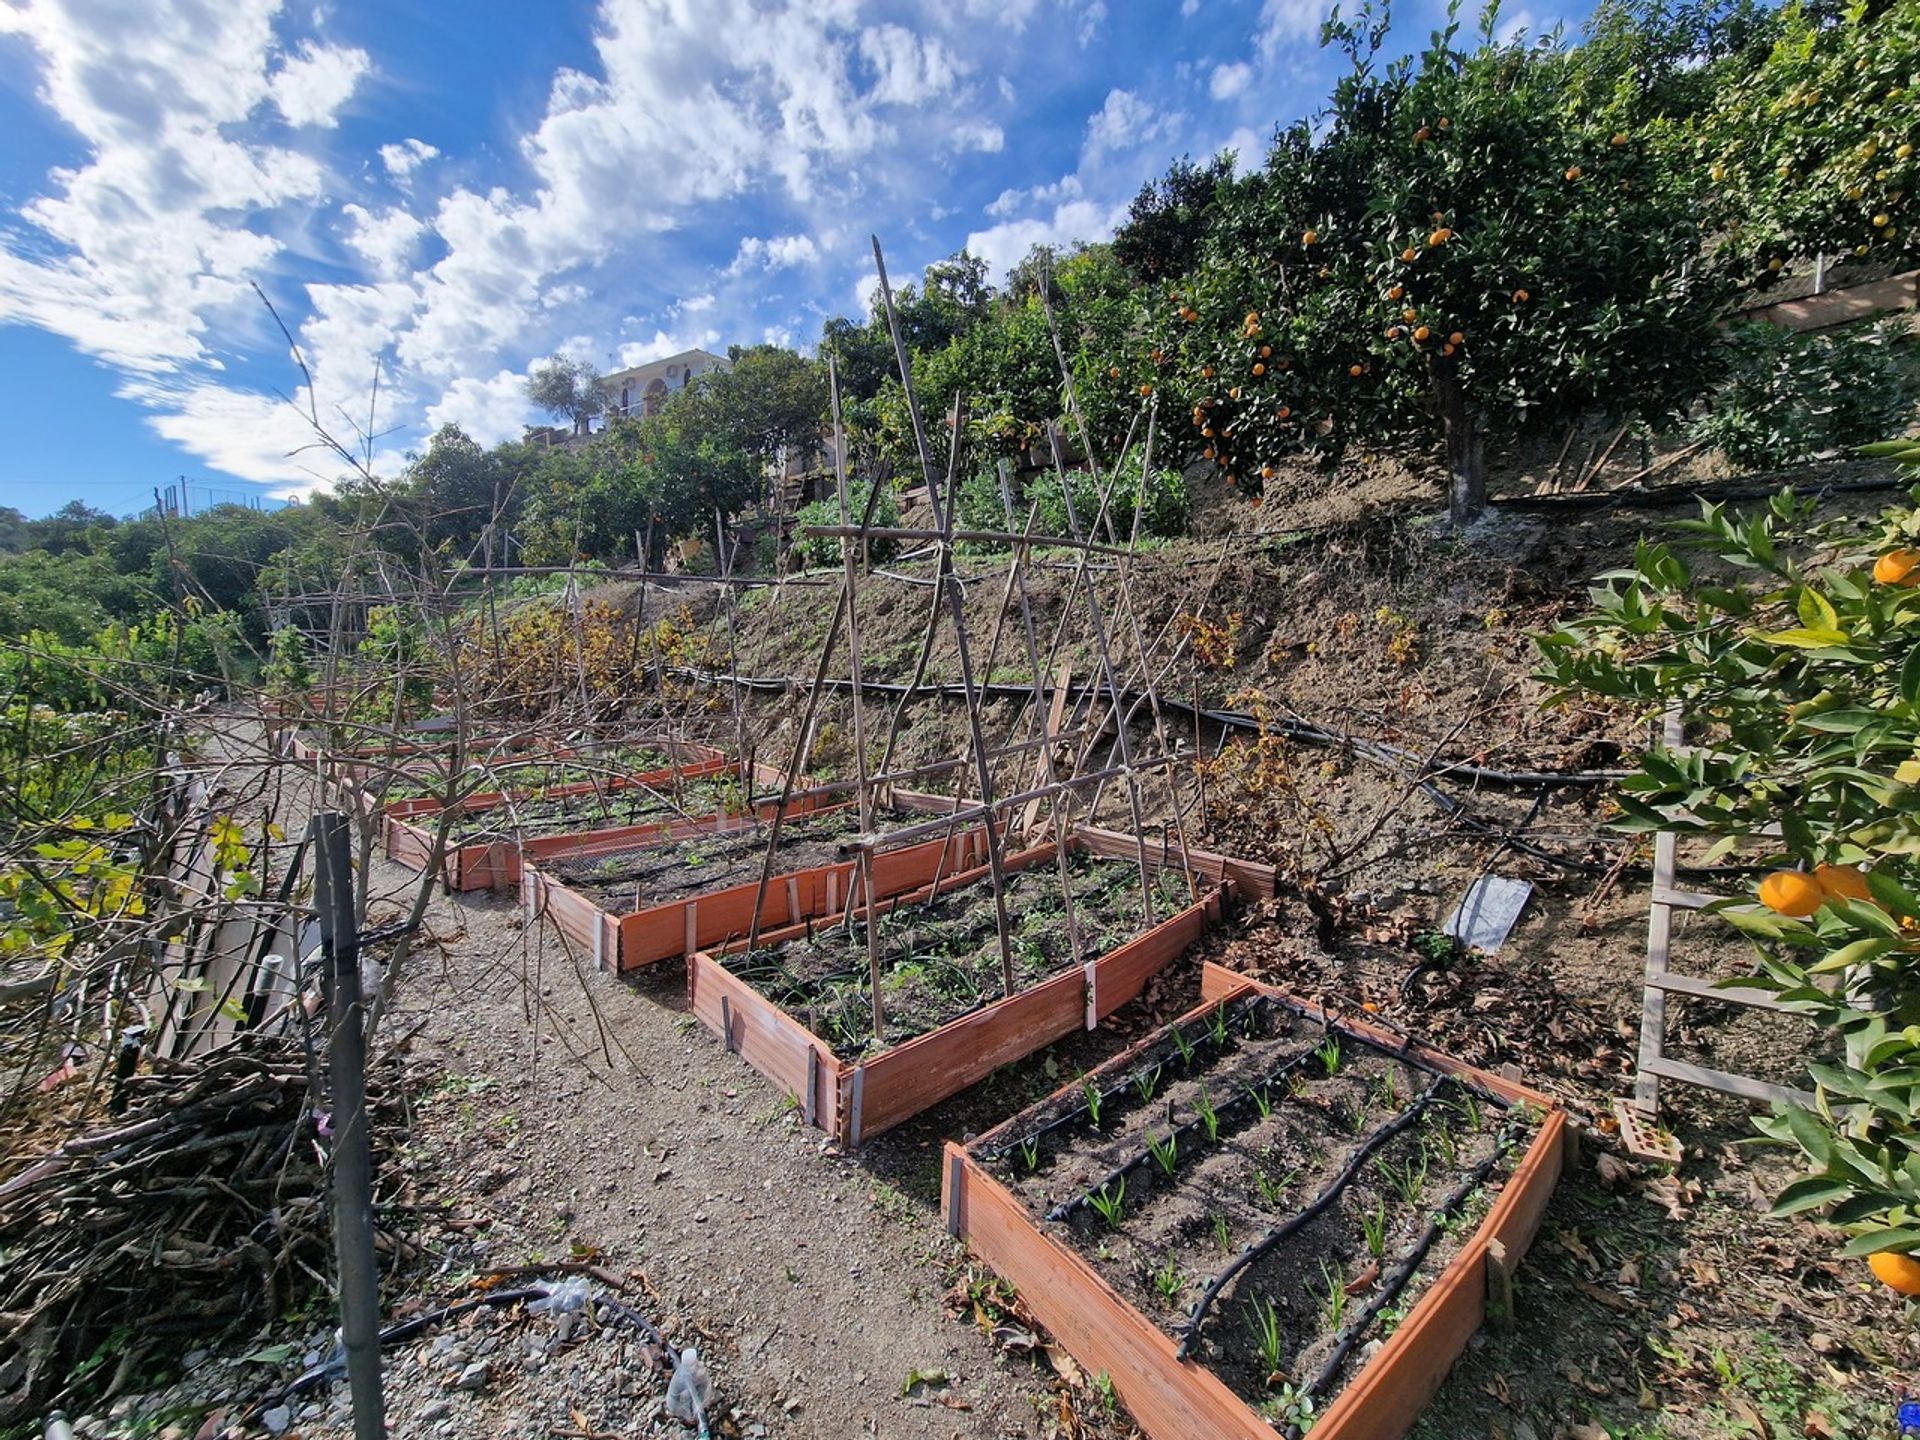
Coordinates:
[203,1208]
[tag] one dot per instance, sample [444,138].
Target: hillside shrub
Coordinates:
[819,551]
[1790,397]
[1162,500]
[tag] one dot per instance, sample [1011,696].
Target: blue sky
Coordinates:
[455,192]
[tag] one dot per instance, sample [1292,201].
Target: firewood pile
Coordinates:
[201,1208]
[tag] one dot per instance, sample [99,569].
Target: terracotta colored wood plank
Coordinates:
[1250,877]
[764,1036]
[1121,974]
[925,1070]
[1171,1400]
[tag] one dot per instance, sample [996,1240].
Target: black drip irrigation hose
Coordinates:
[1244,1008]
[1403,1272]
[334,1365]
[1381,752]
[1232,1104]
[1363,1152]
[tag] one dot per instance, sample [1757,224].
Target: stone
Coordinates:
[434,1410]
[474,1377]
[278,1419]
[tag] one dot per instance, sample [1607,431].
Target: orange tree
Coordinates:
[1794,655]
[1465,246]
[1810,146]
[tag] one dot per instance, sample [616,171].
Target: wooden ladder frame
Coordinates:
[1639,1119]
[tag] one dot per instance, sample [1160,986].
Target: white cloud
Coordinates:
[1229,80]
[1249,150]
[1003,246]
[1189,9]
[1126,122]
[387,240]
[311,86]
[1010,202]
[694,304]
[665,343]
[489,410]
[911,70]
[987,139]
[139,249]
[1282,21]
[406,157]
[776,253]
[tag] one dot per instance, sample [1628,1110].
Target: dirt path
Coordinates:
[815,1286]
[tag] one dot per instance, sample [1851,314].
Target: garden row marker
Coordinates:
[1639,1119]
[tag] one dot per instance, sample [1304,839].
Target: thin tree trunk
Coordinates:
[1466,450]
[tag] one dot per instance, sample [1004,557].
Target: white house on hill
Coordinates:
[645,388]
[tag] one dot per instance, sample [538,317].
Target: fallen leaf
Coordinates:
[1752,1416]
[1817,1426]
[1629,1276]
[1587,1430]
[1496,1386]
[1611,1169]
[953,1402]
[1575,1245]
[1066,1367]
[1364,1280]
[1605,1296]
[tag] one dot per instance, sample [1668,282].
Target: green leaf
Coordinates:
[1875,1242]
[1809,1194]
[1815,612]
[1804,639]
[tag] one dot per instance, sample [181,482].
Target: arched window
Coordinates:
[656,396]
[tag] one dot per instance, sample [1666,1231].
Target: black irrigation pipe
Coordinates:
[1757,487]
[1381,752]
[1243,1007]
[1180,1132]
[1405,1268]
[1334,1189]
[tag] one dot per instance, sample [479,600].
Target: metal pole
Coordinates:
[352,1152]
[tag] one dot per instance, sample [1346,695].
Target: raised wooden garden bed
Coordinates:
[1252,880]
[780,1008]
[630,903]
[493,830]
[1224,1218]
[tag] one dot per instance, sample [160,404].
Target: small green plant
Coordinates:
[1165,1151]
[1146,1082]
[1333,1305]
[1110,1202]
[1263,1322]
[1030,1153]
[1374,1227]
[1329,1053]
[1209,1116]
[1094,1101]
[1262,1101]
[1470,1108]
[1444,1142]
[1182,1046]
[1218,1025]
[1168,1280]
[1293,1405]
[1407,1178]
[1222,1236]
[1109,1400]
[1272,1187]
[1387,1092]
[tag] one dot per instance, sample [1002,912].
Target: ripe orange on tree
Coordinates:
[1898,1272]
[1573,172]
[1355,370]
[1520,297]
[1420,335]
[1456,338]
[1843,882]
[1898,567]
[1439,237]
[1793,893]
